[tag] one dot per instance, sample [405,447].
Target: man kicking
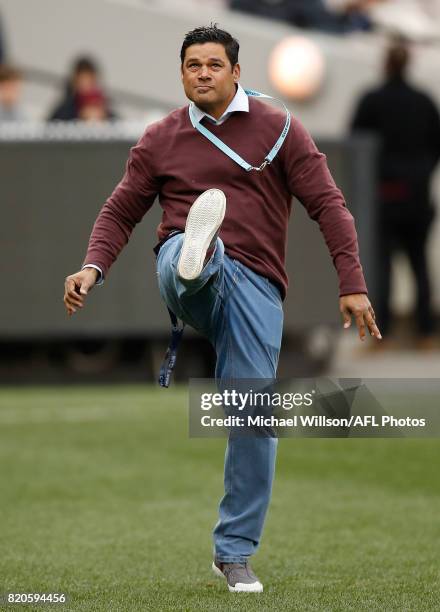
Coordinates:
[225,169]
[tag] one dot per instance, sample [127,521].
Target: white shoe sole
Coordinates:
[203,221]
[240,587]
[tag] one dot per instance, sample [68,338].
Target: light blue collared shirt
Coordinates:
[240,103]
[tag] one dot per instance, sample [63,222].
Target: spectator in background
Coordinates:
[407,123]
[352,13]
[83,95]
[92,106]
[308,14]
[10,91]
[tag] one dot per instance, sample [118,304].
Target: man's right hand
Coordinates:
[76,287]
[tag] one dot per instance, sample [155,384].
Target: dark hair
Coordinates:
[397,59]
[9,73]
[211,33]
[84,64]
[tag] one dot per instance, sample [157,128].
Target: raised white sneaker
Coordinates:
[239,576]
[202,226]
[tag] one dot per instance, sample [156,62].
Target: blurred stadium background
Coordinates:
[70,170]
[89,473]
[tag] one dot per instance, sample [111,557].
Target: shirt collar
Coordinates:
[240,102]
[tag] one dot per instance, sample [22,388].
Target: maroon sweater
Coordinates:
[177,163]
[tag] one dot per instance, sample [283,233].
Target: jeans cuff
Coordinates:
[231,559]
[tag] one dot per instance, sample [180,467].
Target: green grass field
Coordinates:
[106,498]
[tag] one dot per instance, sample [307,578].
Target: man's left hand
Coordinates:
[358,305]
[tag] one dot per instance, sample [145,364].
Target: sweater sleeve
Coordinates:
[126,206]
[310,181]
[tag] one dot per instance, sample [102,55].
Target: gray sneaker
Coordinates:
[239,576]
[202,227]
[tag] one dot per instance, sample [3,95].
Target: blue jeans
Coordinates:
[241,314]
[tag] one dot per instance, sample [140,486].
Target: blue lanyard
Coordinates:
[232,154]
[169,362]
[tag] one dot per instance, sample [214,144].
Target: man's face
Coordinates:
[207,75]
